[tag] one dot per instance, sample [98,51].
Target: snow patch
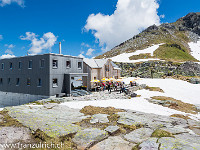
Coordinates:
[180,90]
[195,49]
[177,89]
[125,56]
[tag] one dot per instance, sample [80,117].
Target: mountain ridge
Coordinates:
[176,37]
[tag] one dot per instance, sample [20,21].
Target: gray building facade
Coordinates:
[47,74]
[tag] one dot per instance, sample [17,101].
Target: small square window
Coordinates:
[17,82]
[2,66]
[55,82]
[42,63]
[20,65]
[79,65]
[68,64]
[30,64]
[28,82]
[55,64]
[39,82]
[11,65]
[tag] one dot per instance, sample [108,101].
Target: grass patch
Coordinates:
[161,133]
[91,110]
[154,89]
[9,121]
[37,103]
[178,105]
[40,136]
[180,116]
[136,147]
[173,52]
[141,56]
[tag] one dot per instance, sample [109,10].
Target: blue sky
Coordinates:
[52,21]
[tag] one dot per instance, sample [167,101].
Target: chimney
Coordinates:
[60,50]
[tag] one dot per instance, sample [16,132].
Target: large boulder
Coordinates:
[139,135]
[87,137]
[113,143]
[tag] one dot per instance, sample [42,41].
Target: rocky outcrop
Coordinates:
[129,128]
[159,69]
[190,22]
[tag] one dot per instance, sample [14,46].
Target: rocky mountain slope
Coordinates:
[175,37]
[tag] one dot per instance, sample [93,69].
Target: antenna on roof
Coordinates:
[60,50]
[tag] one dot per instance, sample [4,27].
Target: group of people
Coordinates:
[112,86]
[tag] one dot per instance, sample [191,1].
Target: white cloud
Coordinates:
[7,56]
[162,16]
[129,18]
[9,51]
[8,2]
[90,52]
[85,45]
[46,42]
[10,46]
[1,37]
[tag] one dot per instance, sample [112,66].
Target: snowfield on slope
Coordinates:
[125,56]
[177,89]
[195,49]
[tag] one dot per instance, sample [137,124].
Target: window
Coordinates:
[55,82]
[68,64]
[28,82]
[79,65]
[11,65]
[17,82]
[1,81]
[2,66]
[107,68]
[42,63]
[20,65]
[8,81]
[39,82]
[30,64]
[55,64]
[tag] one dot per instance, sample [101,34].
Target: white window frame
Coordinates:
[54,85]
[55,66]
[69,64]
[81,65]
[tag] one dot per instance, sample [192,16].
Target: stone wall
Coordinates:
[14,99]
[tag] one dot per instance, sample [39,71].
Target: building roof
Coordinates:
[115,66]
[95,63]
[43,54]
[98,63]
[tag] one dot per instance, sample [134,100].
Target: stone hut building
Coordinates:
[98,69]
